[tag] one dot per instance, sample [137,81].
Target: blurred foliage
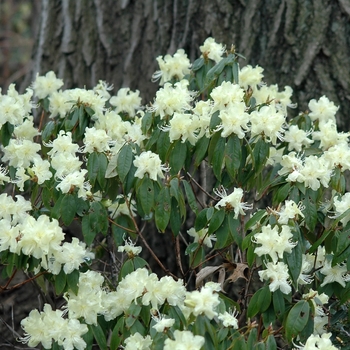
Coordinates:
[17,28]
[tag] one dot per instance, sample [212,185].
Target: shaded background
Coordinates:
[304,44]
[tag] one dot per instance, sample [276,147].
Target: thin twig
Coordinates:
[201,188]
[139,233]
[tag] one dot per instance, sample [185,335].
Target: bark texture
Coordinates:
[304,44]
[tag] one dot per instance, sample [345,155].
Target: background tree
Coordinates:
[302,44]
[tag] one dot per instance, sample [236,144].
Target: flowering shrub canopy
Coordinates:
[247,195]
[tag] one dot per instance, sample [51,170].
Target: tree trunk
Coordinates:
[304,44]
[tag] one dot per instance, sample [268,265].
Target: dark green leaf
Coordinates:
[48,131]
[88,232]
[191,199]
[254,219]
[163,209]
[117,334]
[177,157]
[146,195]
[92,167]
[310,213]
[216,221]
[218,159]
[278,303]
[264,299]
[175,217]
[222,235]
[233,154]
[201,220]
[163,146]
[235,70]
[102,167]
[197,64]
[234,225]
[294,261]
[68,208]
[261,154]
[281,193]
[73,280]
[201,150]
[252,338]
[126,269]
[60,282]
[124,161]
[6,133]
[271,343]
[146,122]
[99,336]
[297,319]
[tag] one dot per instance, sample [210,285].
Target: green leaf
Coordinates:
[163,209]
[261,154]
[177,157]
[264,298]
[297,319]
[139,263]
[197,64]
[234,225]
[126,269]
[85,115]
[233,154]
[6,133]
[218,159]
[235,71]
[71,120]
[163,145]
[99,336]
[102,167]
[117,334]
[294,261]
[48,131]
[93,167]
[68,208]
[73,281]
[94,222]
[124,161]
[259,302]
[252,338]
[310,213]
[226,75]
[212,145]
[216,221]
[281,193]
[191,199]
[146,122]
[201,150]
[279,305]
[271,343]
[56,210]
[145,194]
[222,235]
[191,248]
[258,215]
[201,220]
[175,217]
[60,282]
[88,233]
[214,72]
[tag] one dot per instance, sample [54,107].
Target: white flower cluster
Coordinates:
[94,299]
[41,238]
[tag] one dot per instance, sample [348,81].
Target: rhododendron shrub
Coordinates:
[253,202]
